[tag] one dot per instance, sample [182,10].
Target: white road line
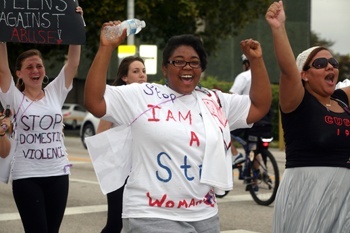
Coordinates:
[229,198]
[235,198]
[239,231]
[102,208]
[69,211]
[84,181]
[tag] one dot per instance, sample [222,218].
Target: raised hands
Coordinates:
[251,48]
[275,15]
[111,40]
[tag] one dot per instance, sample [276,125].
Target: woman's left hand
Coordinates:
[251,48]
[78,9]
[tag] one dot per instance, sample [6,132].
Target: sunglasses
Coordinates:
[322,62]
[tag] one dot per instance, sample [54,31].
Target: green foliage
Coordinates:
[212,82]
[212,20]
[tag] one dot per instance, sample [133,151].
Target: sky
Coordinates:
[330,19]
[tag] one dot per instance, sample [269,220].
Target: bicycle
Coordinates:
[260,171]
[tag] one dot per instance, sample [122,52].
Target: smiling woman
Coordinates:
[180,134]
[311,111]
[40,169]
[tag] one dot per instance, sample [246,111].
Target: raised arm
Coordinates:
[291,88]
[95,84]
[5,73]
[260,90]
[73,59]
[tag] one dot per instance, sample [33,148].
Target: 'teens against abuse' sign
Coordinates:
[41,22]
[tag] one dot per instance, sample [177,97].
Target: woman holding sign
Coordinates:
[41,168]
[180,134]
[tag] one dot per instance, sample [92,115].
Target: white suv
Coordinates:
[88,127]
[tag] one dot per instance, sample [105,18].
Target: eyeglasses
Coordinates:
[322,62]
[182,63]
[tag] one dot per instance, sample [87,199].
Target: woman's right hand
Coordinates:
[111,40]
[275,15]
[5,123]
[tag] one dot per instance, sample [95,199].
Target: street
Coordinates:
[86,207]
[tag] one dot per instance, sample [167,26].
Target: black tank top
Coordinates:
[315,136]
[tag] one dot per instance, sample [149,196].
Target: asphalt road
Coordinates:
[86,208]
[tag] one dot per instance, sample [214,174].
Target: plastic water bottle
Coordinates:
[133,26]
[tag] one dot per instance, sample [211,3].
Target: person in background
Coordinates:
[180,132]
[41,167]
[241,86]
[315,190]
[131,70]
[263,127]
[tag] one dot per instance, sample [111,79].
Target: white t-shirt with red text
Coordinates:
[167,149]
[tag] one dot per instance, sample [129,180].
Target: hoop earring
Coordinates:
[21,83]
[47,79]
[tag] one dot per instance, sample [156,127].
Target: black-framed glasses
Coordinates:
[322,62]
[183,63]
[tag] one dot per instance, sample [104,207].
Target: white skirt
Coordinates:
[313,200]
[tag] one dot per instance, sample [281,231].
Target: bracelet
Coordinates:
[1,135]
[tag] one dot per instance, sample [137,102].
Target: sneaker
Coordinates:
[238,160]
[240,170]
[256,188]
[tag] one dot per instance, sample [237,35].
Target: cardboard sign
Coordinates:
[41,22]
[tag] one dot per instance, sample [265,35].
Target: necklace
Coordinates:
[34,99]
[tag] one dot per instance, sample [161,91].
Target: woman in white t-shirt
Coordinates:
[180,134]
[41,168]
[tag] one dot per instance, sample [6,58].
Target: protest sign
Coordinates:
[41,22]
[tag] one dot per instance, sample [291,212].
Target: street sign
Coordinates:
[126,50]
[149,54]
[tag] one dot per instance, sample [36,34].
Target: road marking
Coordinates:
[239,231]
[84,181]
[235,198]
[69,211]
[228,198]
[102,208]
[79,159]
[89,210]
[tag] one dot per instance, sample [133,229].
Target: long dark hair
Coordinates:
[124,69]
[29,53]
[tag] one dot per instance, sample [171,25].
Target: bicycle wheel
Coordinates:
[266,180]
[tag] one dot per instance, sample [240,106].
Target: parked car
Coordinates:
[88,127]
[73,114]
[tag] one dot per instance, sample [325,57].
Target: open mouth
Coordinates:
[35,78]
[187,78]
[330,79]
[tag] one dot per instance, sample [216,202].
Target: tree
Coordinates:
[212,20]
